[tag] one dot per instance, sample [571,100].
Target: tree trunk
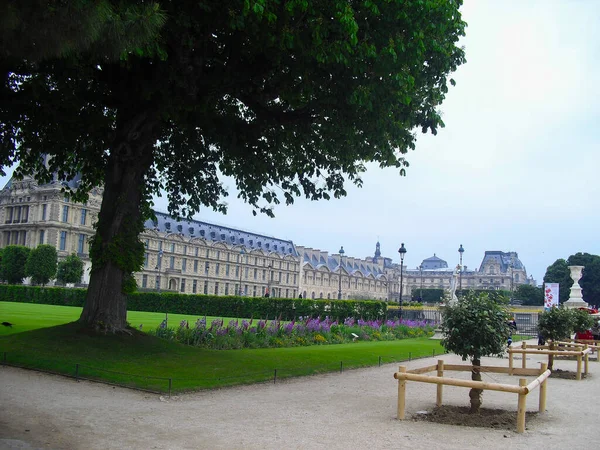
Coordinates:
[475,394]
[550,357]
[120,221]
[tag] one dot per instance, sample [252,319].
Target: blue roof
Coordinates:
[218,233]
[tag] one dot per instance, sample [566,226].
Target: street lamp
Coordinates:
[421,291]
[461,250]
[242,252]
[402,251]
[340,280]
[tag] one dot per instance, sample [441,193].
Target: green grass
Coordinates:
[58,346]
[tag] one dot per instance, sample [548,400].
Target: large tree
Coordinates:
[287,97]
[558,272]
[70,270]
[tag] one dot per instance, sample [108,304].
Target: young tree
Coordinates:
[474,327]
[41,264]
[70,270]
[287,98]
[556,324]
[14,258]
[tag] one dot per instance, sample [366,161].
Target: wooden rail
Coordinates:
[522,390]
[582,353]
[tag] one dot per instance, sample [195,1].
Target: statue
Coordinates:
[451,294]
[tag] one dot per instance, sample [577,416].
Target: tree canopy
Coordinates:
[288,98]
[530,295]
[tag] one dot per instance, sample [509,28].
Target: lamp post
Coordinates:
[421,291]
[461,250]
[402,251]
[242,252]
[340,279]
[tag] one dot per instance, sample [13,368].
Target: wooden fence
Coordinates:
[522,390]
[581,352]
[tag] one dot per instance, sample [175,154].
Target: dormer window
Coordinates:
[168,225]
[202,233]
[241,240]
[251,242]
[222,237]
[191,230]
[180,228]
[267,245]
[212,234]
[275,247]
[259,244]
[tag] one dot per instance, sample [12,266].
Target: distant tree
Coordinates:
[559,273]
[14,259]
[530,295]
[41,264]
[590,280]
[1,271]
[475,327]
[70,270]
[428,295]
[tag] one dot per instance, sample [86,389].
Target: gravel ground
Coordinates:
[356,409]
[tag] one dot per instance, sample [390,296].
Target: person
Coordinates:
[595,330]
[541,339]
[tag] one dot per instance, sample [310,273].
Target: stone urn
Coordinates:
[576,296]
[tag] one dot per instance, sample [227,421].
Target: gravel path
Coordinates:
[356,409]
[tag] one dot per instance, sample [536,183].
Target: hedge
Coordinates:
[210,305]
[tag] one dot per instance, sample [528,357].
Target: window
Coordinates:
[228,256]
[255,273]
[208,253]
[196,251]
[195,266]
[182,289]
[9,212]
[185,249]
[216,288]
[246,273]
[81,243]
[66,199]
[280,278]
[287,279]
[172,262]
[25,214]
[245,289]
[217,268]
[172,248]
[83,216]
[184,264]
[63,240]
[227,270]
[264,274]
[206,287]
[144,281]
[160,246]
[65,214]
[18,214]
[147,243]
[194,286]
[146,257]
[237,271]
[206,267]
[226,288]
[218,254]
[41,237]
[288,268]
[254,291]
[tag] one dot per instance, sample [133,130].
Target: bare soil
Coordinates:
[354,409]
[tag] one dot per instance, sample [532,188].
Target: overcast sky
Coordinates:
[515,169]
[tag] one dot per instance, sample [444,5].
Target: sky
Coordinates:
[515,169]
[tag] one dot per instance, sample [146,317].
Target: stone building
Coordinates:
[196,257]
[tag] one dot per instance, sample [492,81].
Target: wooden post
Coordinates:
[586,361]
[522,407]
[578,377]
[543,386]
[524,355]
[510,361]
[401,394]
[440,387]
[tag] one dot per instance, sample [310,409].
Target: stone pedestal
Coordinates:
[575,296]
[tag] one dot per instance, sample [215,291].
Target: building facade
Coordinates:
[196,257]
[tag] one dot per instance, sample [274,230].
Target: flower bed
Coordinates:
[309,331]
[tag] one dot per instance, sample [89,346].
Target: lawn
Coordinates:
[43,338]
